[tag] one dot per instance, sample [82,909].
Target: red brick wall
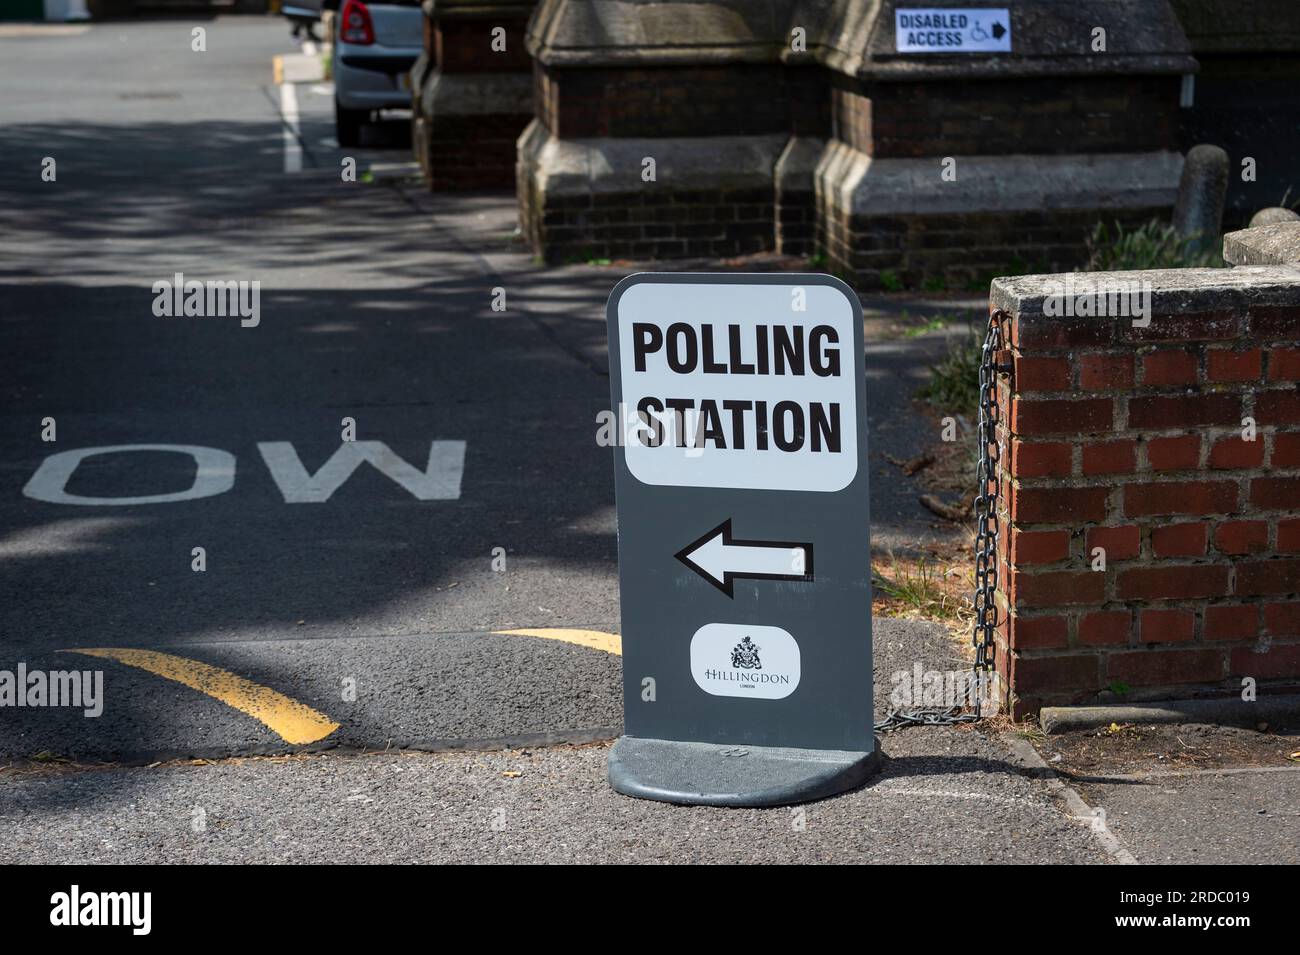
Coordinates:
[731,100]
[469,151]
[995,117]
[1130,439]
[465,46]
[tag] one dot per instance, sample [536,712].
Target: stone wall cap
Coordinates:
[476,9]
[1230,26]
[856,37]
[1047,39]
[1172,290]
[1263,245]
[867,186]
[652,32]
[602,165]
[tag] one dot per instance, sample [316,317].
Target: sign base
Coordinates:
[714,774]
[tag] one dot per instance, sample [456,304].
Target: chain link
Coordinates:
[989,486]
[988,481]
[897,719]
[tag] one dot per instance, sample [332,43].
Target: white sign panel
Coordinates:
[738,386]
[729,659]
[947,30]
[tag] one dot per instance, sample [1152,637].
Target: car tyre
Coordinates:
[348,123]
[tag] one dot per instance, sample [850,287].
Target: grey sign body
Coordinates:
[743,533]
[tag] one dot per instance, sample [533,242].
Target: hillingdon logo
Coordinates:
[746,660]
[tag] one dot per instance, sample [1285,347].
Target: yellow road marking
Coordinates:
[294,722]
[595,639]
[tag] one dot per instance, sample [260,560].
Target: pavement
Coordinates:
[374,669]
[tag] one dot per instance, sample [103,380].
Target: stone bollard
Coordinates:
[1272,216]
[1198,212]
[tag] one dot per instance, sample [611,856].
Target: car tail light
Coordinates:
[355,25]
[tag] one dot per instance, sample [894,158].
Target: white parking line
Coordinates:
[289,128]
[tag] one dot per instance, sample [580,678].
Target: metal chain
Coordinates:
[989,485]
[897,719]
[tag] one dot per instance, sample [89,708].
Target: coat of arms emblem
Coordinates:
[744,655]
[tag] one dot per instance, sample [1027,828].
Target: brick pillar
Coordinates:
[693,93]
[1135,440]
[960,167]
[471,99]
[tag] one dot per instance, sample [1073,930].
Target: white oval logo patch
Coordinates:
[729,659]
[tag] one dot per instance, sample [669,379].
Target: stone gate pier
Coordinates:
[720,127]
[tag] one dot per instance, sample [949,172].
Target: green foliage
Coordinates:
[1154,245]
[919,588]
[890,280]
[933,324]
[954,383]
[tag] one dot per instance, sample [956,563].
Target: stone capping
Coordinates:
[1173,291]
[1048,38]
[798,163]
[1274,244]
[867,186]
[1231,26]
[648,33]
[855,37]
[608,165]
[476,9]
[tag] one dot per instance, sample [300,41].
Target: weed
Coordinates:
[954,383]
[1154,245]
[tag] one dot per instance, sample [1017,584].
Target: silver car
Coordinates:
[375,46]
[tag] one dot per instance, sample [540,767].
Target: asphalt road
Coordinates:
[171,161]
[340,613]
[372,606]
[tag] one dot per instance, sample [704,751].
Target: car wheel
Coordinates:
[347,124]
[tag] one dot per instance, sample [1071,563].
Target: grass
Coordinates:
[954,384]
[1153,245]
[937,323]
[921,589]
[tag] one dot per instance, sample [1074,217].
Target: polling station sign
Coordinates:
[952,30]
[744,545]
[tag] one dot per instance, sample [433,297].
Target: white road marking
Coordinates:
[289,128]
[1080,810]
[310,48]
[214,474]
[440,481]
